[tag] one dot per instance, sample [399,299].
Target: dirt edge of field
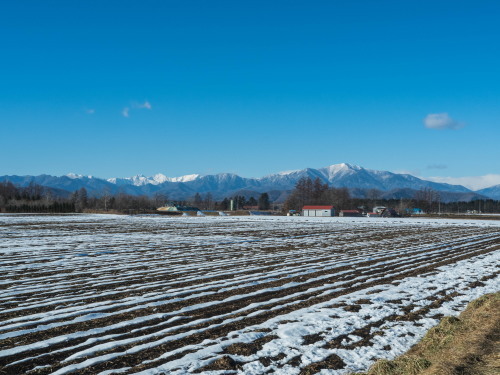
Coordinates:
[469,345]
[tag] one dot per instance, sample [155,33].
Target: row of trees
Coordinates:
[32,198]
[207,202]
[309,192]
[35,198]
[482,206]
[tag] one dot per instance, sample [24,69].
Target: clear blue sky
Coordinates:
[117,88]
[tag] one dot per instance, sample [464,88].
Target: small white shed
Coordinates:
[318,211]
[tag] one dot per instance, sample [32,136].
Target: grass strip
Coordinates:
[467,345]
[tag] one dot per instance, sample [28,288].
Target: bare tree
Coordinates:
[106,197]
[340,198]
[428,198]
[160,199]
[208,202]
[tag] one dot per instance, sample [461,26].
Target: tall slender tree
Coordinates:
[264,203]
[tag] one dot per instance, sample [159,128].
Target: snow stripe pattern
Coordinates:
[103,294]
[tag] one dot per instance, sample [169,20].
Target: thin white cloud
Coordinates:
[473,182]
[90,111]
[134,106]
[146,105]
[441,121]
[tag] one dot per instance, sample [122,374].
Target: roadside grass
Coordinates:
[467,345]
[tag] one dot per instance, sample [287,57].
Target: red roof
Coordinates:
[317,207]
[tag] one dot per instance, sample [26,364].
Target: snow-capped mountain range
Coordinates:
[358,179]
[157,179]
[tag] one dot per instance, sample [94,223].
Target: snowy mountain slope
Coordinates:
[492,192]
[157,179]
[353,176]
[289,179]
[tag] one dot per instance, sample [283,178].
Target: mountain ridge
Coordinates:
[224,184]
[492,192]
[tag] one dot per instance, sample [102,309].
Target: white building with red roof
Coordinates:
[318,211]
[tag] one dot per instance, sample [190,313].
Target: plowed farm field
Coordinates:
[104,294]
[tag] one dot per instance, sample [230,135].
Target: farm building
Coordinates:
[350,213]
[318,211]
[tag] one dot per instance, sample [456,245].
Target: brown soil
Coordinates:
[222,363]
[333,362]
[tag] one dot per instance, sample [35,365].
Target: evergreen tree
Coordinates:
[224,205]
[240,201]
[83,197]
[75,198]
[252,201]
[264,202]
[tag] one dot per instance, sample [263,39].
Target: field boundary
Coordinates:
[468,344]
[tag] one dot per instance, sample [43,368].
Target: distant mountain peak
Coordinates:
[186,178]
[342,167]
[346,166]
[285,173]
[159,178]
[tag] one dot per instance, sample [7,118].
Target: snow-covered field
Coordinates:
[102,294]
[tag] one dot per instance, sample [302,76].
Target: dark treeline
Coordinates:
[309,192]
[38,199]
[32,198]
[207,202]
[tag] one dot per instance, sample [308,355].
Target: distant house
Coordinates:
[373,214]
[318,211]
[390,212]
[350,213]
